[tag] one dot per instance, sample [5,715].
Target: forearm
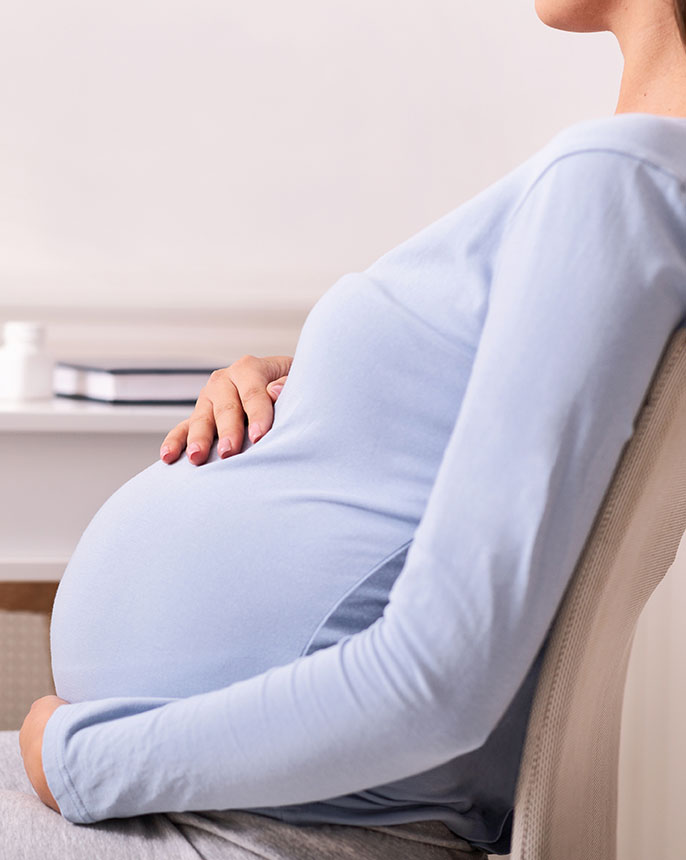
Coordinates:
[259,742]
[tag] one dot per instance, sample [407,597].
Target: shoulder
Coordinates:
[595,202]
[598,167]
[620,140]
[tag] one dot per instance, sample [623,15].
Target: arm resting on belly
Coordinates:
[585,293]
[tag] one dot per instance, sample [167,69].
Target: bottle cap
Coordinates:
[24,331]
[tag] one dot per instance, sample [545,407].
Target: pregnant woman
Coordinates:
[322,640]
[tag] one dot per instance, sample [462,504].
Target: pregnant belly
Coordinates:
[190,578]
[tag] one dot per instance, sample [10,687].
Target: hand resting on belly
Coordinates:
[245,391]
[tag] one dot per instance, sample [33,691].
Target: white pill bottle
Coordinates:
[26,368]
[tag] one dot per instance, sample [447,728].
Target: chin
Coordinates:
[576,16]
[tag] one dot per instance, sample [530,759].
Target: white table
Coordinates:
[60,459]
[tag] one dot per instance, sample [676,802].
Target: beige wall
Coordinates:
[212,154]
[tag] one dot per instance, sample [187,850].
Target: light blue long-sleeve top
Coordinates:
[345,621]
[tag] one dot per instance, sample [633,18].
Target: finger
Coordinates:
[228,416]
[174,442]
[279,365]
[201,428]
[251,384]
[274,388]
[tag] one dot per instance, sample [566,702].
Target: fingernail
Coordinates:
[276,389]
[164,450]
[193,449]
[254,432]
[224,447]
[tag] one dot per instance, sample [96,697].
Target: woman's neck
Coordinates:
[654,76]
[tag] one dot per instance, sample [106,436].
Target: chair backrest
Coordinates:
[566,795]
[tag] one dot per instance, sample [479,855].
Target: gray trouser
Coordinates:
[29,830]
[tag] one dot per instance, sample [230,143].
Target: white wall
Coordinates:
[214,156]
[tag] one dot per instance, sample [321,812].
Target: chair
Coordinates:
[566,795]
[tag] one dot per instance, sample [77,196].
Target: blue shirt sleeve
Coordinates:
[588,282]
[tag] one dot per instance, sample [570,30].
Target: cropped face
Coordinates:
[578,16]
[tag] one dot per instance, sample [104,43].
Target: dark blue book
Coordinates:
[161,380]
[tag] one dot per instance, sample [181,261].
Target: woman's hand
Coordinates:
[248,387]
[31,745]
